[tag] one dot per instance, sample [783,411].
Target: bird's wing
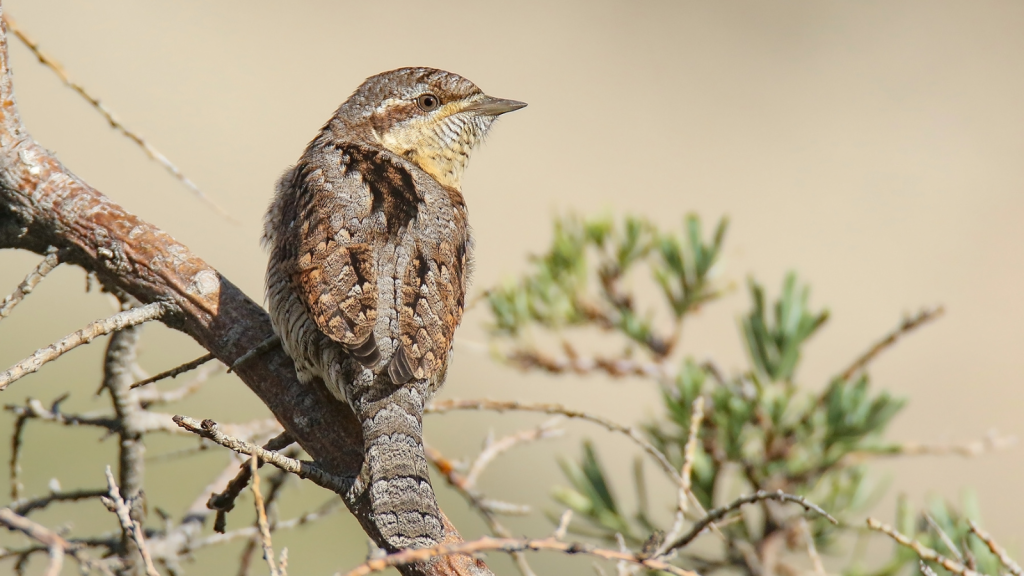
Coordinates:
[335,273]
[431,305]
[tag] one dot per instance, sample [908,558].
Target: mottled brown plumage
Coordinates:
[370,253]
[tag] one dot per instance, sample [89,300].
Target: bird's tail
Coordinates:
[403,503]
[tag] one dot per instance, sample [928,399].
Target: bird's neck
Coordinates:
[445,166]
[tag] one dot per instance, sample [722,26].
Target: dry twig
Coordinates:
[478,501]
[302,469]
[261,518]
[15,462]
[25,507]
[154,396]
[685,480]
[496,447]
[580,365]
[186,367]
[992,442]
[996,549]
[509,545]
[262,347]
[442,406]
[761,495]
[946,540]
[118,321]
[224,501]
[326,509]
[923,552]
[108,114]
[812,548]
[50,261]
[908,325]
[55,545]
[116,504]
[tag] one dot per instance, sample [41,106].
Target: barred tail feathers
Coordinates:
[401,497]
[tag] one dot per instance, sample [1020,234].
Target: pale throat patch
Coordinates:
[440,143]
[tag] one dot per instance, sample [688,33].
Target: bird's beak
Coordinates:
[490,106]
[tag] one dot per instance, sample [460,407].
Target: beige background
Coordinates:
[874,146]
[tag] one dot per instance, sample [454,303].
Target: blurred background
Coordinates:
[873,146]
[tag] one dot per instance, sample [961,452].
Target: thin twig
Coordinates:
[35,410]
[508,545]
[563,525]
[685,475]
[441,406]
[147,421]
[186,367]
[946,540]
[131,527]
[497,447]
[812,548]
[55,545]
[109,115]
[921,550]
[25,507]
[118,321]
[908,325]
[478,502]
[992,441]
[761,495]
[276,482]
[50,261]
[996,549]
[15,466]
[301,468]
[580,365]
[260,348]
[623,568]
[690,451]
[326,509]
[154,396]
[261,518]
[224,501]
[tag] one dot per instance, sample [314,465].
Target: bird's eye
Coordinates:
[427,102]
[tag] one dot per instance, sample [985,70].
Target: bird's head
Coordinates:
[431,117]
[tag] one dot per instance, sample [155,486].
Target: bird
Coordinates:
[370,255]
